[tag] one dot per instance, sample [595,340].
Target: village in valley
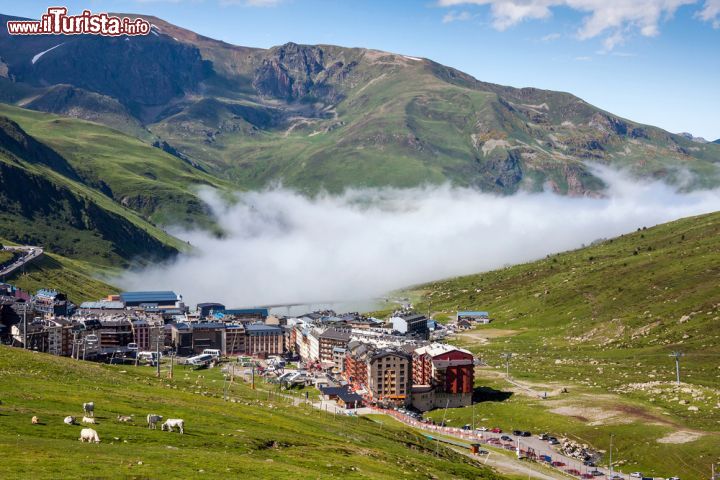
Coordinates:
[402,366]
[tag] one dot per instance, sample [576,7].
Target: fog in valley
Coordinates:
[283,247]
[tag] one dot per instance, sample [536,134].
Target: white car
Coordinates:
[636,475]
[482,429]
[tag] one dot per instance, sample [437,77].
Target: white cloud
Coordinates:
[283,247]
[711,12]
[614,18]
[583,59]
[453,16]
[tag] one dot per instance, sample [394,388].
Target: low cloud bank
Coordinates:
[282,247]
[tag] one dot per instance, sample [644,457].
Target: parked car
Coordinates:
[543,436]
[674,478]
[597,473]
[553,441]
[615,476]
[467,427]
[586,475]
[483,452]
[481,429]
[589,463]
[525,434]
[636,475]
[517,433]
[573,471]
[558,463]
[506,438]
[496,430]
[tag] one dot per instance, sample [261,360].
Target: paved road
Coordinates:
[539,446]
[29,254]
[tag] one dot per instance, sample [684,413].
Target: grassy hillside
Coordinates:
[636,297]
[45,205]
[250,437]
[158,186]
[5,256]
[78,279]
[602,321]
[73,277]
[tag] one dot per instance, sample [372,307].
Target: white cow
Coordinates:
[89,409]
[171,423]
[90,420]
[69,420]
[152,420]
[89,435]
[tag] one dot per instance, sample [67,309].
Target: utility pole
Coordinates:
[25,345]
[507,356]
[676,355]
[611,445]
[157,351]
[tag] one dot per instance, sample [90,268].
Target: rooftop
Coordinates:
[247,311]
[474,313]
[436,349]
[103,305]
[149,297]
[261,327]
[335,334]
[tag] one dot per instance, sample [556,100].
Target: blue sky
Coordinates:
[653,61]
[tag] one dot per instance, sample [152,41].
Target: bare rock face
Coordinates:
[291,72]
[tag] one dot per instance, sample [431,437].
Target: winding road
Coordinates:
[30,254]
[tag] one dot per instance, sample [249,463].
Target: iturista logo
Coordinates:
[56,21]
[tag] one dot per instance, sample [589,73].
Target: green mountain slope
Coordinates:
[601,323]
[160,187]
[323,116]
[255,435]
[645,293]
[622,303]
[45,203]
[77,279]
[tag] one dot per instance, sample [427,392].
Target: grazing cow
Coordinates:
[124,418]
[69,420]
[89,420]
[89,435]
[171,423]
[35,420]
[152,420]
[89,409]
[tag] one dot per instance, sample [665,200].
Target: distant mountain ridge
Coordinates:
[327,117]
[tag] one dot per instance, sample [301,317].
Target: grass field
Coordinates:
[602,321]
[252,437]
